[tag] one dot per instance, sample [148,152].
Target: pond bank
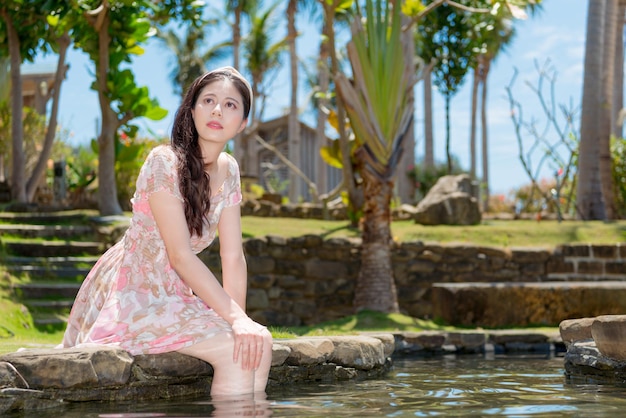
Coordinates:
[47,378]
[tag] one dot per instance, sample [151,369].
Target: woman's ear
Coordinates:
[243,125]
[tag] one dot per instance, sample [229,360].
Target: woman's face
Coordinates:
[218,112]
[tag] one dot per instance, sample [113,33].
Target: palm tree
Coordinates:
[239,9]
[294,147]
[618,74]
[494,34]
[589,187]
[262,61]
[380,112]
[190,62]
[332,12]
[606,111]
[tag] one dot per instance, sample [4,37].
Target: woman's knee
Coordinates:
[268,341]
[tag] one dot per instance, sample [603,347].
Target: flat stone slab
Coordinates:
[507,304]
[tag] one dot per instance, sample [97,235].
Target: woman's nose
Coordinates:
[217,110]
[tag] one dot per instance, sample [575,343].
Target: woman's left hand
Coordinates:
[249,343]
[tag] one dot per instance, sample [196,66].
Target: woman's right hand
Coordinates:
[249,337]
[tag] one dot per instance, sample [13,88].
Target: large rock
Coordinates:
[609,333]
[449,202]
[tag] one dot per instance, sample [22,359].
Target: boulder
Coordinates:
[609,333]
[449,202]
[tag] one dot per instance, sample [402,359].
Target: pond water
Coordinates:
[517,386]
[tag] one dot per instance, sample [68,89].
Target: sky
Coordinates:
[556,33]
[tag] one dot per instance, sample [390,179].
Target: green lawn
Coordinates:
[519,233]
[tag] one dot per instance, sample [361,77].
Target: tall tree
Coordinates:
[606,111]
[239,9]
[493,32]
[293,128]
[443,38]
[110,32]
[262,58]
[378,106]
[28,28]
[590,204]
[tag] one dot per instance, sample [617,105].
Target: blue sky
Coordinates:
[557,34]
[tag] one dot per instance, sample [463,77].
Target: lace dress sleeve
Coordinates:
[232,184]
[159,174]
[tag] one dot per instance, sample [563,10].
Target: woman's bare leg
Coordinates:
[229,378]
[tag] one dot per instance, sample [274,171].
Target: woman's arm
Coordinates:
[234,267]
[170,218]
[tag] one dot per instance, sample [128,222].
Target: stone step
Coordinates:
[52,321]
[39,272]
[47,231]
[43,290]
[52,248]
[49,305]
[522,304]
[69,261]
[59,217]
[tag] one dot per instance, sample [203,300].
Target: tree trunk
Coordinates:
[293,128]
[606,111]
[618,72]
[589,191]
[42,162]
[320,129]
[376,288]
[474,104]
[238,142]
[448,153]
[107,189]
[18,173]
[485,133]
[429,155]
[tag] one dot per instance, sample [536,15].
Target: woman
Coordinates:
[150,293]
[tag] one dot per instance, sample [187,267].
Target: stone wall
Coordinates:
[307,280]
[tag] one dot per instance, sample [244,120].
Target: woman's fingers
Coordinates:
[249,349]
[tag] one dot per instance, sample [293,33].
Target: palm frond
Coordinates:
[378,97]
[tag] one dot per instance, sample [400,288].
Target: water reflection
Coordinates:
[442,386]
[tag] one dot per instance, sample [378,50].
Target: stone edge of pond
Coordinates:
[40,379]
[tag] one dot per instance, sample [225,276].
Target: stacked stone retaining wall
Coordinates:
[308,279]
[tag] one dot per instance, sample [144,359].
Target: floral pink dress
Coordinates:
[132,298]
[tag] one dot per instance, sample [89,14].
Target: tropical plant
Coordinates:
[618,155]
[334,11]
[443,39]
[26,29]
[190,61]
[111,32]
[378,105]
[239,9]
[293,127]
[262,58]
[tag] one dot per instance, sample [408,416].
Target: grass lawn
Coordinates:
[519,233]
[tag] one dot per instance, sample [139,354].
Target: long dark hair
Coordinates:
[194,180]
